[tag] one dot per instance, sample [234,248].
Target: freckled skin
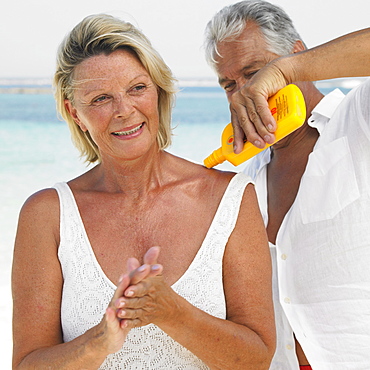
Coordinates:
[115,93]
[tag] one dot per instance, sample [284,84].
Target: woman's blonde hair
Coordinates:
[103,34]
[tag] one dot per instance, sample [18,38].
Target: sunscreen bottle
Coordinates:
[288,108]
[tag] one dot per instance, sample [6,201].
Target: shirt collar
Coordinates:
[323,111]
[255,164]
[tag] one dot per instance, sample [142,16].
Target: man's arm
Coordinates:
[346,56]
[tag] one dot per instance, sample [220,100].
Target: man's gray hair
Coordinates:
[275,25]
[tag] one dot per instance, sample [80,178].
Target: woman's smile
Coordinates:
[127,134]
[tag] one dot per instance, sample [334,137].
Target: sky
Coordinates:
[31,30]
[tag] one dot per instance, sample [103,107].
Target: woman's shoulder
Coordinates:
[188,167]
[199,180]
[43,202]
[220,179]
[39,217]
[194,169]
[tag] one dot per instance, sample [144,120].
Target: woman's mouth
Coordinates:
[128,132]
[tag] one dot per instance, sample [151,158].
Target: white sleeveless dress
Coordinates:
[87,291]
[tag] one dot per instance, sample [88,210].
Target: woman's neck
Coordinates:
[136,177]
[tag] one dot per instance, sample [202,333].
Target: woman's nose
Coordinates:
[123,106]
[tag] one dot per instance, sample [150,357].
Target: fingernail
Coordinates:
[130,293]
[257,143]
[142,268]
[267,138]
[270,128]
[155,267]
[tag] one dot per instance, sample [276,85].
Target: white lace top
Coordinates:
[87,291]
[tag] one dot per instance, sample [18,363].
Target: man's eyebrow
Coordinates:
[223,80]
[251,66]
[245,68]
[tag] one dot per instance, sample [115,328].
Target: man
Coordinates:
[313,186]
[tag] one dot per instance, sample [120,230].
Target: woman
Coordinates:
[210,304]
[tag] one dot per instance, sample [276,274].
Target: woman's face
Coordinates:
[116,101]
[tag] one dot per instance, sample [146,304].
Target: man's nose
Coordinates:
[240,82]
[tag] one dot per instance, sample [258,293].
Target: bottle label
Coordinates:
[282,107]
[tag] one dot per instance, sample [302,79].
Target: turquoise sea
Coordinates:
[36,152]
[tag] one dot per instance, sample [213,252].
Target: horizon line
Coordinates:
[43,85]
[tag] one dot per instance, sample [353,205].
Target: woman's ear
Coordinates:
[73,113]
[298,46]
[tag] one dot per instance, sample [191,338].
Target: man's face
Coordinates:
[242,58]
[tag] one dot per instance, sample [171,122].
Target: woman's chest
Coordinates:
[116,234]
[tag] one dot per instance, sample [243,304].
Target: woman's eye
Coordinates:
[100,99]
[139,87]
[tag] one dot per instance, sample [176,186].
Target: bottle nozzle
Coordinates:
[214,159]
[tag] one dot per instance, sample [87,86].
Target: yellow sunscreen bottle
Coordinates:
[289,110]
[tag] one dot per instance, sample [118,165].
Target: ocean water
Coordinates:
[36,152]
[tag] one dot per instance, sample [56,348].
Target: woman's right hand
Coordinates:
[112,330]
